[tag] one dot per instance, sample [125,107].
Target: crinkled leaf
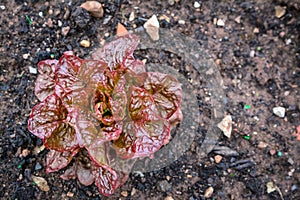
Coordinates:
[106,180]
[70,173]
[166,92]
[84,174]
[44,85]
[66,73]
[97,151]
[117,52]
[144,132]
[90,130]
[57,160]
[50,121]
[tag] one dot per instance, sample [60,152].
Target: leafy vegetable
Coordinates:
[102,114]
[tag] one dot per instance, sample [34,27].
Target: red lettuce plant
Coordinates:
[100,115]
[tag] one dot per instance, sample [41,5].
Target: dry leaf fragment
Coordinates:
[94,7]
[41,183]
[226,125]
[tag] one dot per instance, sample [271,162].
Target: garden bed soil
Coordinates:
[256,53]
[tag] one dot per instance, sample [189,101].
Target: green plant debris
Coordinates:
[28,20]
[246,137]
[246,106]
[259,48]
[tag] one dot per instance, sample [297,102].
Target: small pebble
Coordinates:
[280,11]
[182,22]
[133,192]
[41,14]
[106,34]
[262,145]
[65,30]
[208,192]
[218,158]
[171,2]
[291,161]
[32,70]
[70,194]
[169,198]
[50,12]
[252,53]
[2,7]
[238,19]
[197,4]
[220,23]
[124,193]
[131,16]
[255,30]
[272,152]
[59,23]
[279,111]
[85,43]
[294,187]
[25,56]
[152,26]
[37,166]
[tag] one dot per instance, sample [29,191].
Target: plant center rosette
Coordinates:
[101,113]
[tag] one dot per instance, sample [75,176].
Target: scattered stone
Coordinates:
[70,194]
[226,125]
[272,152]
[133,192]
[41,183]
[94,7]
[238,19]
[49,23]
[121,30]
[279,111]
[67,14]
[168,178]
[38,166]
[106,20]
[169,198]
[25,152]
[2,7]
[152,26]
[197,4]
[218,158]
[252,53]
[50,12]
[288,41]
[57,12]
[59,23]
[85,43]
[124,193]
[65,30]
[220,23]
[291,161]
[280,11]
[41,14]
[208,192]
[131,16]
[26,55]
[171,2]
[262,145]
[294,187]
[182,22]
[256,30]
[164,186]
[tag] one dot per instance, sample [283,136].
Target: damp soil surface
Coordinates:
[256,50]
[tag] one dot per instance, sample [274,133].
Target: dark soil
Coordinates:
[269,78]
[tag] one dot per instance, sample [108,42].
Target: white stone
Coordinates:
[279,111]
[59,23]
[197,4]
[131,16]
[32,70]
[220,22]
[41,14]
[226,125]
[152,26]
[25,56]
[252,53]
[182,22]
[2,7]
